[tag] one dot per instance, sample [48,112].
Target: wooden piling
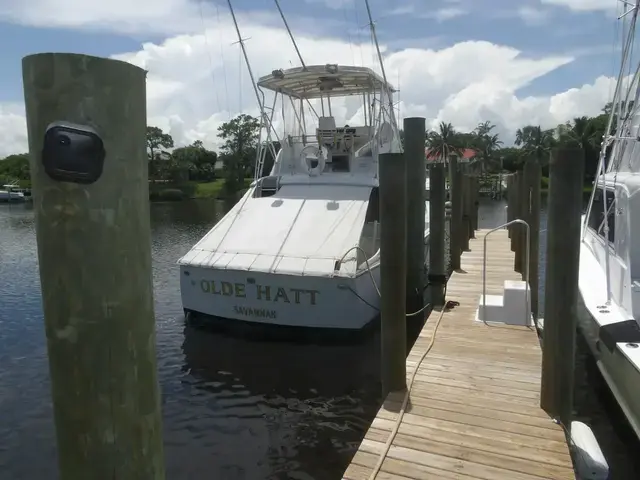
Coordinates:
[94,252]
[566,172]
[475,205]
[466,211]
[393,255]
[519,230]
[525,214]
[437,272]
[415,163]
[455,180]
[533,174]
[510,204]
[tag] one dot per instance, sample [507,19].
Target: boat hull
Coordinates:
[11,196]
[286,300]
[620,374]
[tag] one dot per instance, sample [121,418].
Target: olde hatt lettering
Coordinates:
[267,293]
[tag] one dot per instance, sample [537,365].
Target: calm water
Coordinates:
[233,408]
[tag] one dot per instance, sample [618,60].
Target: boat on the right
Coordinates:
[609,280]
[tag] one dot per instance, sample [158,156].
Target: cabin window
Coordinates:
[596,216]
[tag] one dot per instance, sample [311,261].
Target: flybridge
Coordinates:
[301,84]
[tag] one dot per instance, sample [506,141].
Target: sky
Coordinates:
[512,62]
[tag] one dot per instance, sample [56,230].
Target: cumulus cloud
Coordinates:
[198,81]
[116,15]
[13,128]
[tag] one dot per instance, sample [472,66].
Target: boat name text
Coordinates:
[255,312]
[266,293]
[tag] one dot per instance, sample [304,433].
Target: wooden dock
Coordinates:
[473,410]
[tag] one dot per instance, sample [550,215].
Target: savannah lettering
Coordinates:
[265,293]
[255,312]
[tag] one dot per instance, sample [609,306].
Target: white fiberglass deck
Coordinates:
[301,230]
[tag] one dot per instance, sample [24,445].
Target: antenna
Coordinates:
[246,58]
[295,45]
[265,120]
[384,75]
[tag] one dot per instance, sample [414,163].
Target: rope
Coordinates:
[373,281]
[405,401]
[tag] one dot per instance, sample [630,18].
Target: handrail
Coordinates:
[526,268]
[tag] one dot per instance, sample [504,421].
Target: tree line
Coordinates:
[531,142]
[239,137]
[191,163]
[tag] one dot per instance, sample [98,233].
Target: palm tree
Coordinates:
[485,144]
[484,128]
[581,133]
[444,142]
[535,142]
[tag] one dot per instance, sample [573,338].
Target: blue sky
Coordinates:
[579,31]
[558,30]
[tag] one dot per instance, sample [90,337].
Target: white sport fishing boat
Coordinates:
[609,306]
[302,246]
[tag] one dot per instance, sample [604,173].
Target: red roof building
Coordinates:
[468,154]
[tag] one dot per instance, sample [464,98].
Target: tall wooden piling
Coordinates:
[519,229]
[393,257]
[525,214]
[533,174]
[415,163]
[437,272]
[455,182]
[466,211]
[561,291]
[94,252]
[475,205]
[510,204]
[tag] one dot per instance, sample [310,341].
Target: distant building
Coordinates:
[468,154]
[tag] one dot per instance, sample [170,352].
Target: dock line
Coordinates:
[373,281]
[405,401]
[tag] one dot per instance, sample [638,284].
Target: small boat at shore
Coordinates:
[11,193]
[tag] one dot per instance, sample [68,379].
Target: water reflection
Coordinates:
[234,407]
[293,408]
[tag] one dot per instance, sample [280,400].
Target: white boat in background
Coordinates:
[11,193]
[609,301]
[302,246]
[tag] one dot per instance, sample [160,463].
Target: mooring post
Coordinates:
[416,172]
[86,119]
[393,258]
[566,173]
[519,230]
[455,182]
[510,203]
[533,174]
[437,272]
[466,211]
[475,205]
[525,214]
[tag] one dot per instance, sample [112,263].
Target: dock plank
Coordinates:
[473,410]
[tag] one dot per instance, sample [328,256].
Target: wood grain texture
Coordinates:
[94,251]
[474,409]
